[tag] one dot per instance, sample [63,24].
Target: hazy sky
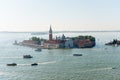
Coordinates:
[69,15]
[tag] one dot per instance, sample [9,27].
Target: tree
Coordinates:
[36,39]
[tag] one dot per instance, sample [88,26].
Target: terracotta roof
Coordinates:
[29,41]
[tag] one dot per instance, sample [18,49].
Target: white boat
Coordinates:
[39,49]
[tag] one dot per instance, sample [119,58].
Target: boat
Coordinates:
[115,43]
[15,43]
[34,64]
[39,49]
[27,56]
[77,54]
[114,68]
[12,64]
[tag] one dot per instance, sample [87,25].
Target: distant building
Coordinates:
[66,42]
[63,37]
[29,43]
[62,42]
[50,33]
[84,43]
[69,43]
[51,43]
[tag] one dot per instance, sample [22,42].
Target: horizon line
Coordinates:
[59,31]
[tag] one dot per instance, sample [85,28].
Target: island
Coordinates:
[60,42]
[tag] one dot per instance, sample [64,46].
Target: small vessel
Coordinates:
[27,56]
[12,64]
[115,43]
[39,49]
[34,64]
[77,54]
[114,68]
[15,42]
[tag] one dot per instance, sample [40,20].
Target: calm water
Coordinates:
[60,64]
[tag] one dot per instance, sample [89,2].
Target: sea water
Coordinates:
[59,64]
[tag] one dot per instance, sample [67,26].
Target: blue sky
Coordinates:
[68,15]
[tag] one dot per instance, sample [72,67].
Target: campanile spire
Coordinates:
[50,30]
[50,33]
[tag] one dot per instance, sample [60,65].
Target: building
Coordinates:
[62,42]
[69,43]
[50,34]
[48,45]
[51,43]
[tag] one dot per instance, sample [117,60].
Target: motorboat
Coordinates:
[77,54]
[15,43]
[114,68]
[34,64]
[12,64]
[27,56]
[39,49]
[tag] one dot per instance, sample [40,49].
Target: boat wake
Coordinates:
[51,62]
[3,73]
[23,64]
[11,57]
[99,69]
[47,62]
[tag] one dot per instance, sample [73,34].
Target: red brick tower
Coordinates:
[50,34]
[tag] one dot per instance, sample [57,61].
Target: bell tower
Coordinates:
[50,33]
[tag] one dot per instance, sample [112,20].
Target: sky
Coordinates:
[62,15]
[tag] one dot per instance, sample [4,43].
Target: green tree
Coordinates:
[37,40]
